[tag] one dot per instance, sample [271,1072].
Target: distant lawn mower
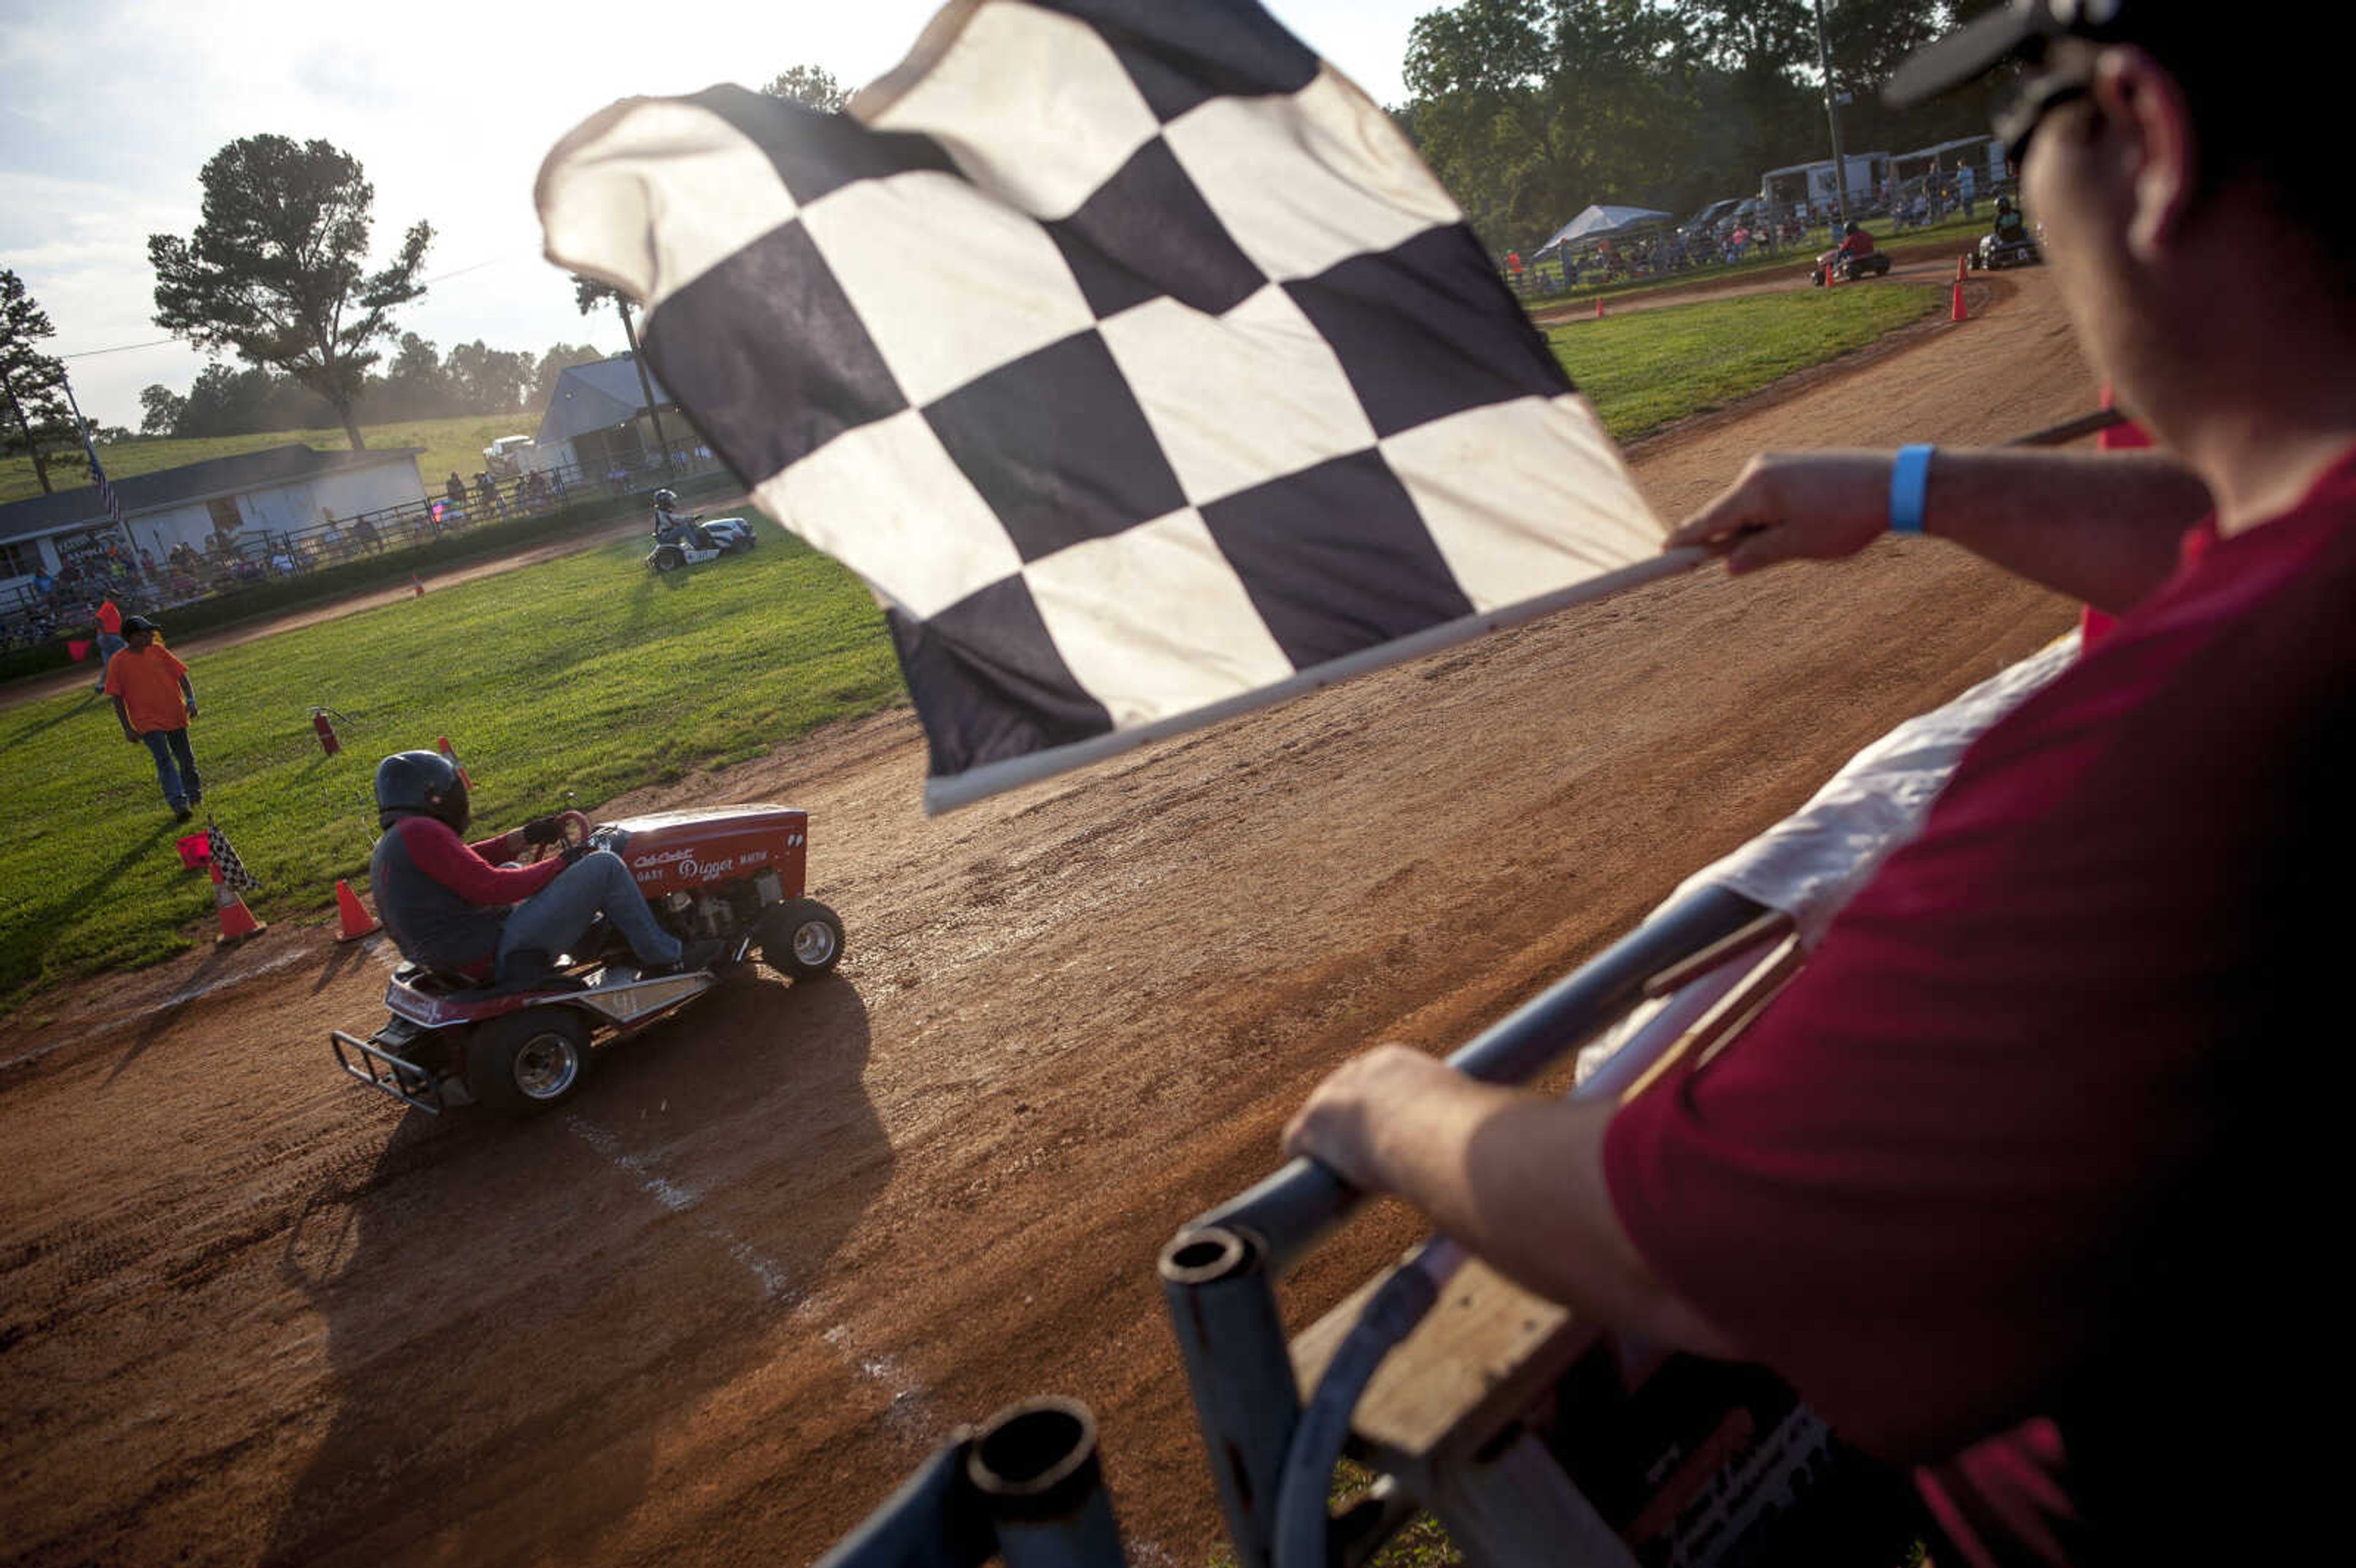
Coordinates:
[1999,249]
[734,873]
[686,547]
[1837,267]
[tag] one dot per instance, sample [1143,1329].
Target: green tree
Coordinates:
[276,272]
[809,84]
[161,410]
[490,380]
[32,383]
[1529,110]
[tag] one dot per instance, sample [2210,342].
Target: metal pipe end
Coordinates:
[1035,1460]
[1208,1255]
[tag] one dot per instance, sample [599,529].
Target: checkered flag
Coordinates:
[1128,351]
[233,874]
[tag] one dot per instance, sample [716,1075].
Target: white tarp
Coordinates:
[1599,221]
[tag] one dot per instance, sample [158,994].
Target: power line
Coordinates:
[438,277]
[118,349]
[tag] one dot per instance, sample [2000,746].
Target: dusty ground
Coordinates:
[251,1313]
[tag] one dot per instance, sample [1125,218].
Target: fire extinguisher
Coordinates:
[325,730]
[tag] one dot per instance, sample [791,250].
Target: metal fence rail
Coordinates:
[137,580]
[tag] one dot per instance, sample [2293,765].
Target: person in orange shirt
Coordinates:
[154,701]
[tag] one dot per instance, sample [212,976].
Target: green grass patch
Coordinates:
[451,445]
[587,674]
[1645,369]
[590,675]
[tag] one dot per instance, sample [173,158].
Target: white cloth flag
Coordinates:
[1127,350]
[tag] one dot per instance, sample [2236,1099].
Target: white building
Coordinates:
[597,419]
[242,499]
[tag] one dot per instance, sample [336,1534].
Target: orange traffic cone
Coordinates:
[1959,266]
[1599,307]
[356,920]
[236,921]
[442,744]
[1956,311]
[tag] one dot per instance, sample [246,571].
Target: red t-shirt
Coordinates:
[1857,244]
[2001,1147]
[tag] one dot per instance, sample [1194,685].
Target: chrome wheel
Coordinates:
[814,943]
[546,1066]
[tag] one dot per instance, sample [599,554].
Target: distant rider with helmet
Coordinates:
[2009,225]
[1855,240]
[672,529]
[455,907]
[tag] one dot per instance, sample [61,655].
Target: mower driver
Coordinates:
[2009,225]
[1855,240]
[453,907]
[669,525]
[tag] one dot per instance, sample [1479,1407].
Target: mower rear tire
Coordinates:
[670,559]
[801,939]
[528,1061]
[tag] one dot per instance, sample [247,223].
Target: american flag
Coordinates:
[98,477]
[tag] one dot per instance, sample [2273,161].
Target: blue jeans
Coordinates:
[553,919]
[109,645]
[176,766]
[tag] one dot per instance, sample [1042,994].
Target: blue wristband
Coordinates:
[1910,483]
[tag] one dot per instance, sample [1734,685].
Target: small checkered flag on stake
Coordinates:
[230,869]
[1128,351]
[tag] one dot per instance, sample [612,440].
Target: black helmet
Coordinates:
[1852,227]
[420,784]
[666,499]
[2004,204]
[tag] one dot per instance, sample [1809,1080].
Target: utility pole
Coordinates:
[1831,117]
[646,388]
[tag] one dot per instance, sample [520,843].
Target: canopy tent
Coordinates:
[1599,222]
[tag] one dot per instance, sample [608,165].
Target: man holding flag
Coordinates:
[2015,1179]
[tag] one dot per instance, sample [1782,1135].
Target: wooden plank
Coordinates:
[1482,1355]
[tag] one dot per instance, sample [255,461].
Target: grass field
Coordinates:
[1643,371]
[450,445]
[590,675]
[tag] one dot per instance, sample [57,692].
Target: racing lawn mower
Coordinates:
[728,536]
[2015,248]
[1837,267]
[731,874]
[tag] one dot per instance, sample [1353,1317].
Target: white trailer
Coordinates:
[1811,187]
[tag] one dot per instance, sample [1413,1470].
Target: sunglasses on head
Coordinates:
[2018,119]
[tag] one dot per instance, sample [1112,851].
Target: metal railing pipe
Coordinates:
[1037,1473]
[1289,1212]
[933,1520]
[1222,1305]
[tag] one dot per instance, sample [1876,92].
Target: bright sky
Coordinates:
[108,108]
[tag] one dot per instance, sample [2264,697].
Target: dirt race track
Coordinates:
[249,1312]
